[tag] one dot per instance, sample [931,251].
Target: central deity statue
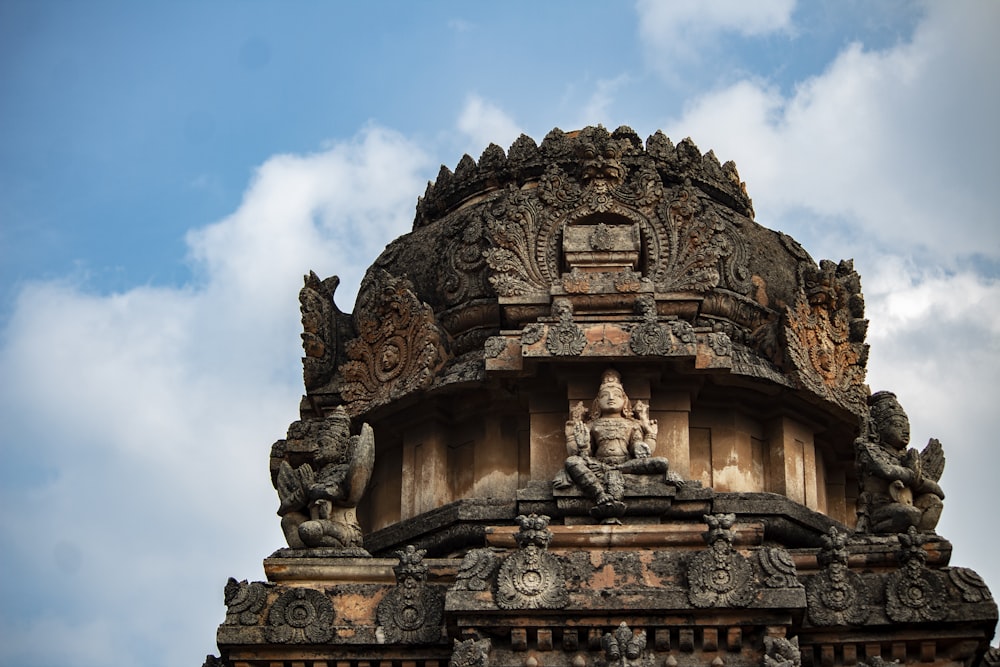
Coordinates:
[615,439]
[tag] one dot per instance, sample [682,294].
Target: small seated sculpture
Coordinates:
[609,445]
[319,497]
[899,486]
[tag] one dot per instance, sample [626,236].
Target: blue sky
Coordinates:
[168,171]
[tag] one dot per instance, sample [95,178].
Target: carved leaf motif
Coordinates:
[932,460]
[300,615]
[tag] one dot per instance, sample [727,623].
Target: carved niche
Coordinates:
[399,349]
[824,332]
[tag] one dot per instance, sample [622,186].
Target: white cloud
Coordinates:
[127,419]
[677,32]
[889,141]
[483,123]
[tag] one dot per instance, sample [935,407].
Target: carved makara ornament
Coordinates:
[914,593]
[411,612]
[244,602]
[531,578]
[324,328]
[824,331]
[399,349]
[836,596]
[623,646]
[300,616]
[720,576]
[319,497]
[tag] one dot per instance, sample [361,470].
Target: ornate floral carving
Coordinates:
[654,338]
[300,616]
[565,338]
[399,349]
[319,497]
[531,578]
[836,596]
[778,568]
[624,646]
[324,328]
[477,570]
[824,331]
[782,652]
[494,346]
[719,576]
[244,601]
[914,593]
[462,277]
[411,612]
[470,653]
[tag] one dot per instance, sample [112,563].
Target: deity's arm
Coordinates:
[577,438]
[880,463]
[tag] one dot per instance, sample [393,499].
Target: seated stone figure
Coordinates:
[609,445]
[899,487]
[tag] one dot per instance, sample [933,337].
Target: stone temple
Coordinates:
[589,412]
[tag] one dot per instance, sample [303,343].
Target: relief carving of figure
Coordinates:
[899,486]
[319,496]
[614,440]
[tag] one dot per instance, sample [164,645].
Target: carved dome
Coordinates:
[615,249]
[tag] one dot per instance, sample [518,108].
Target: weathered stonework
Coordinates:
[617,424]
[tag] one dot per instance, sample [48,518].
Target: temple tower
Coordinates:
[589,412]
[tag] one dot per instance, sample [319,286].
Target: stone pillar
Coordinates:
[425,469]
[672,411]
[792,461]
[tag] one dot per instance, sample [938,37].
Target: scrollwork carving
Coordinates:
[476,571]
[244,602]
[778,568]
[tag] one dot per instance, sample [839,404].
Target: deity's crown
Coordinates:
[613,378]
[882,404]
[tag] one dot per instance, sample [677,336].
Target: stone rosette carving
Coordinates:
[914,593]
[654,338]
[244,602]
[471,652]
[531,578]
[777,568]
[399,349]
[319,496]
[836,596]
[824,332]
[300,616]
[720,576]
[623,647]
[411,612]
[477,571]
[782,652]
